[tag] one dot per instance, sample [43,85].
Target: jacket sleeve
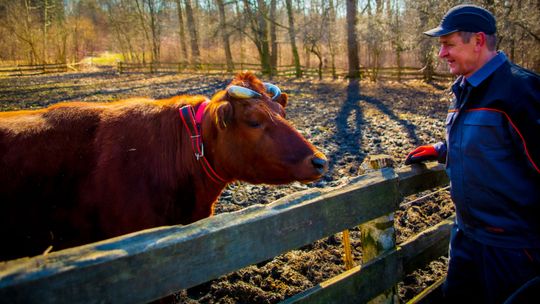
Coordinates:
[440,147]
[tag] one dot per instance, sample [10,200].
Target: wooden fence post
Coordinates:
[347,258]
[378,236]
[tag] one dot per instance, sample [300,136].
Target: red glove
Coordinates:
[421,154]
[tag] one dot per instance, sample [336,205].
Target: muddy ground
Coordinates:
[346,120]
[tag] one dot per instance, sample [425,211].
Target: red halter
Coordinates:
[192,121]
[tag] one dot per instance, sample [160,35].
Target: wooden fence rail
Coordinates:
[383,73]
[147,265]
[34,69]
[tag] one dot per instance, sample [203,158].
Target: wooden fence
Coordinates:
[33,69]
[383,73]
[147,265]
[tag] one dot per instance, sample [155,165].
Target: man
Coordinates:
[492,156]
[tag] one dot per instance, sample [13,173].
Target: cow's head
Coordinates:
[248,137]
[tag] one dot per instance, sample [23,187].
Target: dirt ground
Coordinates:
[346,120]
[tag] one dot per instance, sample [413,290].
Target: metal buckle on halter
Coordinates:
[199,143]
[199,155]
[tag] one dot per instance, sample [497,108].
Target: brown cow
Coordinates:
[75,173]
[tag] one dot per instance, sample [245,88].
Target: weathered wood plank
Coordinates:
[420,177]
[361,284]
[159,261]
[358,285]
[427,246]
[431,295]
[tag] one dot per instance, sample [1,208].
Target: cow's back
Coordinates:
[80,172]
[44,156]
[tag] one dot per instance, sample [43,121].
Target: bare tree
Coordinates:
[352,40]
[273,38]
[256,14]
[81,33]
[182,33]
[375,36]
[331,34]
[292,39]
[20,21]
[154,9]
[315,32]
[122,16]
[390,31]
[46,22]
[143,24]
[225,35]
[426,44]
[396,34]
[194,36]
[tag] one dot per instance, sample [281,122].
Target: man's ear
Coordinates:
[480,39]
[282,99]
[224,114]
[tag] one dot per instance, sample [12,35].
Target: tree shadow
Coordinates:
[350,122]
[409,127]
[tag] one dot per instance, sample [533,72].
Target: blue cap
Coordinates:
[465,18]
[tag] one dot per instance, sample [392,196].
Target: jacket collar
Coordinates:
[487,69]
[479,76]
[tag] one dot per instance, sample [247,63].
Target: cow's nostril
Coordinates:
[319,164]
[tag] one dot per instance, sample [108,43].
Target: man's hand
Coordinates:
[421,154]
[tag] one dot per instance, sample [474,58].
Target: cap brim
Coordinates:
[439,31]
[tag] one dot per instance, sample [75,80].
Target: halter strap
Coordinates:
[192,121]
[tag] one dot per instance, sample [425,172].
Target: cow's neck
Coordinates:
[192,118]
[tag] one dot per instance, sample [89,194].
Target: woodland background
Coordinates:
[334,34]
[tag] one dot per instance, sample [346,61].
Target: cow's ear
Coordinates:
[282,99]
[224,114]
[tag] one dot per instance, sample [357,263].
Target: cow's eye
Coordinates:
[253,124]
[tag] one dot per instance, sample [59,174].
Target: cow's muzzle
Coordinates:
[320,162]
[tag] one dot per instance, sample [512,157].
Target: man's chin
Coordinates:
[454,72]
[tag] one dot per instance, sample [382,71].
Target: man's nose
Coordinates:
[443,52]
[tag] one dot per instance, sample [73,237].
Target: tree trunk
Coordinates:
[28,35]
[225,35]
[273,39]
[352,40]
[292,38]
[238,15]
[46,8]
[397,38]
[426,50]
[140,10]
[331,41]
[192,27]
[257,19]
[315,50]
[155,30]
[181,31]
[263,38]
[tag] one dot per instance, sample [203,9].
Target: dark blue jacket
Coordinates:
[492,154]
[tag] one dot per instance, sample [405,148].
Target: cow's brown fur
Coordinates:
[80,172]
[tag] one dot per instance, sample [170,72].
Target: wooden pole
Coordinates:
[379,236]
[349,263]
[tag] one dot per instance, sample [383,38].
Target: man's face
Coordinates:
[462,58]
